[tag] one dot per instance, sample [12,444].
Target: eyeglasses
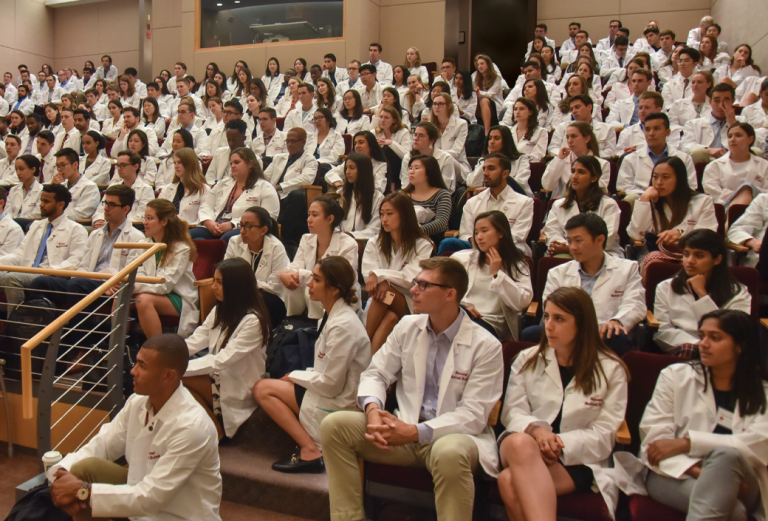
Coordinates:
[439,104]
[231,112]
[112,206]
[423,285]
[123,165]
[62,166]
[364,74]
[321,118]
[249,227]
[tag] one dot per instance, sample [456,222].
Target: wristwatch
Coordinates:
[85,492]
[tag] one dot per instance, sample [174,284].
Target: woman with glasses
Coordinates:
[326,144]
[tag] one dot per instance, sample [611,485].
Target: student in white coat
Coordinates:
[530,138]
[294,168]
[749,229]
[223,206]
[24,197]
[495,194]
[265,255]
[499,280]
[342,352]
[325,239]
[581,112]
[360,199]
[489,96]
[165,171]
[12,147]
[186,120]
[270,140]
[424,138]
[583,194]
[303,115]
[561,413]
[390,262]
[351,119]
[236,333]
[738,176]
[704,284]
[85,194]
[756,114]
[111,126]
[413,63]
[127,167]
[11,233]
[188,188]
[696,106]
[738,68]
[448,372]
[452,133]
[336,74]
[624,112]
[706,138]
[177,296]
[501,141]
[579,141]
[236,135]
[706,420]
[94,165]
[326,144]
[182,480]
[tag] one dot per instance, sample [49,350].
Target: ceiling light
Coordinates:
[218,5]
[237,1]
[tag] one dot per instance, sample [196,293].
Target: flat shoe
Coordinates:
[294,464]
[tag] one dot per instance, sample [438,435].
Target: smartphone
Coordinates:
[389,298]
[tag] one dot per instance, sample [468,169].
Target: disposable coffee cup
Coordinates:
[50,459]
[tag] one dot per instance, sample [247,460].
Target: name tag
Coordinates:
[262,263]
[194,203]
[253,199]
[457,375]
[725,418]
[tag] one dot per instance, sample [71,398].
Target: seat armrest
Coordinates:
[738,248]
[622,435]
[637,243]
[543,238]
[452,233]
[652,322]
[493,418]
[533,308]
[204,282]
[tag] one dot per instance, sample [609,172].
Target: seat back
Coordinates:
[624,218]
[720,215]
[347,143]
[538,217]
[210,252]
[700,173]
[614,176]
[509,351]
[644,369]
[750,277]
[545,264]
[537,172]
[279,124]
[656,273]
[431,70]
[734,212]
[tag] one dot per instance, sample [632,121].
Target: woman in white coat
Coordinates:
[489,95]
[182,138]
[326,144]
[580,141]
[740,67]
[499,281]
[394,138]
[265,255]
[177,296]
[111,126]
[221,210]
[465,99]
[565,400]
[583,194]
[749,229]
[738,176]
[94,165]
[390,263]
[501,141]
[530,138]
[325,239]
[342,352]
[413,63]
[236,333]
[188,189]
[452,133]
[364,142]
[360,200]
[351,119]
[705,431]
[704,284]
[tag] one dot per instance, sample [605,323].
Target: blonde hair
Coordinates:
[194,181]
[416,62]
[448,106]
[397,125]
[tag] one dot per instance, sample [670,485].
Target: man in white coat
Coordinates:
[383,69]
[54,242]
[11,233]
[219,168]
[270,140]
[707,138]
[85,193]
[168,440]
[335,74]
[581,110]
[614,284]
[293,169]
[450,378]
[604,45]
[186,119]
[132,121]
[624,113]
[304,115]
[68,136]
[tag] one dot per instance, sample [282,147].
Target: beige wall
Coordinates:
[27,35]
[743,21]
[86,32]
[594,15]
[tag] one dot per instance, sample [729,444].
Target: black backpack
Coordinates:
[475,142]
[37,505]
[25,322]
[290,351]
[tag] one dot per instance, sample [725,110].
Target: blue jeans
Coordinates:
[202,233]
[453,244]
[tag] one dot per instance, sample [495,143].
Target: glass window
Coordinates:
[244,22]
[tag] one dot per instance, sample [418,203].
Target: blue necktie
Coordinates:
[717,128]
[43,245]
[635,116]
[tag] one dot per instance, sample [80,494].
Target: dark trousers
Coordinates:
[619,344]
[275,306]
[202,233]
[293,217]
[394,164]
[482,323]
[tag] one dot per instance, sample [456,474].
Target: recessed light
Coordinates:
[219,5]
[237,1]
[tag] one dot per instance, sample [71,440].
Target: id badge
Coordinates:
[725,418]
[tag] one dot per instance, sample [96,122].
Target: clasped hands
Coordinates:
[550,444]
[386,430]
[64,493]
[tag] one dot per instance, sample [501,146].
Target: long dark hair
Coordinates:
[750,374]
[396,95]
[331,208]
[255,173]
[542,98]
[362,190]
[241,297]
[512,261]
[410,231]
[466,91]
[677,201]
[48,123]
[508,147]
[722,286]
[373,145]
[144,152]
[152,101]
[432,167]
[585,361]
[594,195]
[339,274]
[357,112]
[533,119]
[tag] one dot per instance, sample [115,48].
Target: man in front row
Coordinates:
[168,440]
[451,376]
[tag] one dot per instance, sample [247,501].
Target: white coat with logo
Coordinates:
[262,194]
[189,206]
[65,245]
[400,269]
[720,181]
[273,261]
[302,172]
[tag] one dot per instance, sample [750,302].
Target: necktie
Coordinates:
[42,169]
[332,77]
[621,62]
[178,197]
[685,85]
[717,128]
[41,250]
[635,115]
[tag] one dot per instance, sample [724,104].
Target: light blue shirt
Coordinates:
[717,128]
[107,245]
[635,116]
[588,281]
[656,158]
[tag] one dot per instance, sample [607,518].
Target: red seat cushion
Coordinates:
[586,506]
[643,508]
[405,477]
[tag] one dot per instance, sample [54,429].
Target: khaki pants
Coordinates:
[451,460]
[97,470]
[631,198]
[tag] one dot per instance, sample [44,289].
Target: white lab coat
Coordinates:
[452,141]
[676,89]
[589,422]
[700,214]
[383,72]
[273,261]
[557,175]
[330,150]
[604,132]
[353,223]
[65,246]
[444,160]
[85,199]
[637,167]
[98,171]
[276,145]
[618,293]
[755,115]
[340,74]
[119,257]
[302,172]
[337,175]
[724,71]
[219,167]
[240,364]
[751,84]
[494,94]
[179,278]
[133,101]
[400,269]
[11,235]
[679,315]
[514,296]
[144,194]
[683,110]
[751,225]
[353,126]
[262,194]
[683,405]
[295,118]
[470,385]
[110,128]
[621,112]
[520,171]
[8,170]
[69,139]
[402,141]
[189,206]
[536,147]
[122,144]
[608,210]
[517,208]
[26,106]
[720,181]
[19,205]
[173,461]
[199,138]
[634,135]
[698,133]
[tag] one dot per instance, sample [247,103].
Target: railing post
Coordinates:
[117,341]
[45,395]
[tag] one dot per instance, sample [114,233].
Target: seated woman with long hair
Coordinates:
[300,400]
[574,86]
[704,284]
[390,263]
[138,142]
[428,193]
[360,200]
[414,98]
[364,142]
[351,119]
[177,296]
[325,239]
[236,333]
[394,138]
[530,138]
[151,117]
[565,400]
[583,194]
[182,138]
[579,141]
[499,279]
[465,101]
[94,165]
[452,133]
[188,188]
[389,98]
[501,141]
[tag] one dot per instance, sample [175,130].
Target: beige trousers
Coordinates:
[97,470]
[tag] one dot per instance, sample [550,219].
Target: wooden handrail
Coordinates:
[29,345]
[76,274]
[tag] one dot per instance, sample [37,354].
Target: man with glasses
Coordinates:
[233,111]
[604,45]
[382,69]
[450,378]
[291,170]
[270,140]
[128,165]
[353,82]
[100,254]
[132,121]
[84,192]
[372,89]
[448,73]
[304,115]
[186,120]
[679,86]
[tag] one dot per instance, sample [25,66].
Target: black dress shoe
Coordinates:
[294,464]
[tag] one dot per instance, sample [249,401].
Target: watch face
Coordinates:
[82,494]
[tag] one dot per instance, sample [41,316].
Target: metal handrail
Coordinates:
[58,324]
